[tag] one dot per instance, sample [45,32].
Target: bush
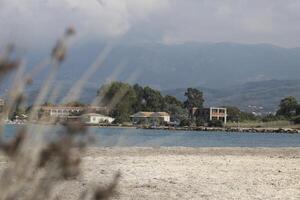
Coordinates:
[185,122]
[297,119]
[272,118]
[215,123]
[200,122]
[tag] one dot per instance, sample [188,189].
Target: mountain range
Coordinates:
[162,66]
[229,74]
[260,97]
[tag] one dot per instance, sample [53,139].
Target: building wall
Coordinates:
[166,118]
[212,113]
[218,114]
[99,119]
[150,120]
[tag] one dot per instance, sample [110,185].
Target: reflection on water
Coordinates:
[122,137]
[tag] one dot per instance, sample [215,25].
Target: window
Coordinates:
[222,111]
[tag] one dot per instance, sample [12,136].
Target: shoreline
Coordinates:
[191,129]
[293,152]
[229,129]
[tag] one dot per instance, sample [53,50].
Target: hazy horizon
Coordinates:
[37,23]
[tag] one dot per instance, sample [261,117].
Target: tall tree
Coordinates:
[298,109]
[123,100]
[175,108]
[153,100]
[119,98]
[194,98]
[140,103]
[75,104]
[287,107]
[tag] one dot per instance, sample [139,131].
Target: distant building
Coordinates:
[61,111]
[94,119]
[65,111]
[212,114]
[150,118]
[161,116]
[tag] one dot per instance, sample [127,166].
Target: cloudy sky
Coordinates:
[40,22]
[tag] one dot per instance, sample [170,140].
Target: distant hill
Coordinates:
[179,66]
[228,73]
[260,97]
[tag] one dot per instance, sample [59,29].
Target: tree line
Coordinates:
[123,100]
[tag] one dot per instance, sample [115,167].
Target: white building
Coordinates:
[150,117]
[211,114]
[94,119]
[65,111]
[165,117]
[61,111]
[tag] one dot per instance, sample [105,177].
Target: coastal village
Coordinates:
[99,116]
[149,99]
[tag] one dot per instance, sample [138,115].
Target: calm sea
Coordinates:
[123,137]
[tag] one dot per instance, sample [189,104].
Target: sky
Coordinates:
[38,23]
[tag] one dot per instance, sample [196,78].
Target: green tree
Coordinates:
[119,98]
[140,103]
[185,122]
[153,100]
[194,98]
[288,107]
[170,100]
[123,100]
[235,114]
[298,109]
[297,119]
[75,104]
[175,108]
[47,104]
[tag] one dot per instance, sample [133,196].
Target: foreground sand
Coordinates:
[183,173]
[187,173]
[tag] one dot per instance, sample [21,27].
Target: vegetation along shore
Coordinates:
[119,104]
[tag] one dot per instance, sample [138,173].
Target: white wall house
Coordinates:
[165,117]
[150,117]
[61,111]
[94,119]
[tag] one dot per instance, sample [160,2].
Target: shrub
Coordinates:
[215,123]
[297,119]
[35,168]
[185,122]
[200,122]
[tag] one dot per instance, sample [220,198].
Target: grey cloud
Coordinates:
[169,21]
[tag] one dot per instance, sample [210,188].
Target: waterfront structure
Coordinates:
[212,114]
[65,111]
[150,118]
[61,111]
[95,119]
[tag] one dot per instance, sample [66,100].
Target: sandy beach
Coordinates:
[190,173]
[186,173]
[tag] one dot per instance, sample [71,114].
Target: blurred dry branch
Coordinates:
[7,64]
[33,172]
